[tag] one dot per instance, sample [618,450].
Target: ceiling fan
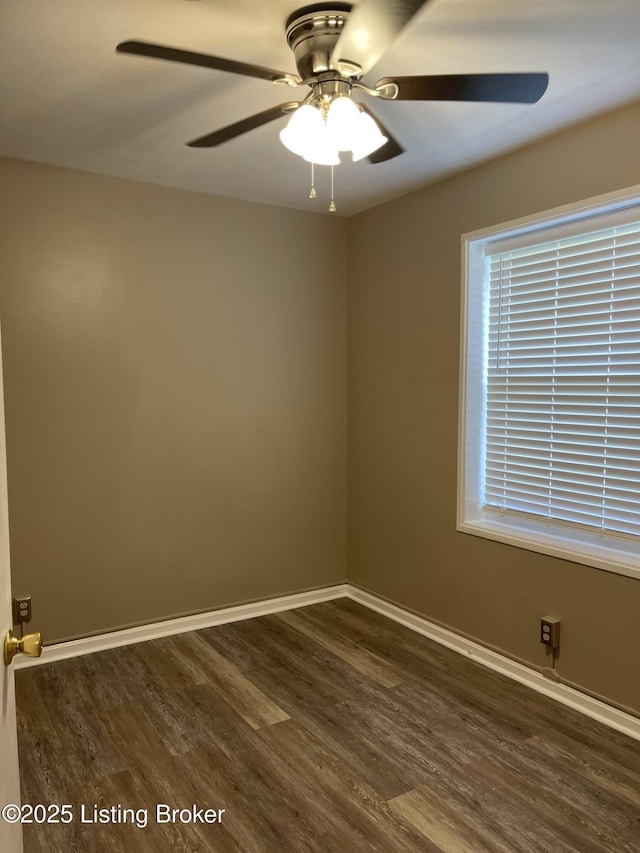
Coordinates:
[335,45]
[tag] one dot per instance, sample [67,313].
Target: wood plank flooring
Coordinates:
[329,728]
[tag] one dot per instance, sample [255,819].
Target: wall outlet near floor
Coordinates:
[550,632]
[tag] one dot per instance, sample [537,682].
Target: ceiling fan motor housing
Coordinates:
[312,33]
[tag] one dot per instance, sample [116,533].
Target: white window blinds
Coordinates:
[563,380]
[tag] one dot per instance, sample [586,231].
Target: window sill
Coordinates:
[606,558]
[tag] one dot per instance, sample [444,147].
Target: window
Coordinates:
[550,394]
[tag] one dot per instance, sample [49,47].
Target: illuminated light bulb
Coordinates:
[368,137]
[322,155]
[306,135]
[302,130]
[320,149]
[342,123]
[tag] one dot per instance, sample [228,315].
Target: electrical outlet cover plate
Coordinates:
[550,632]
[21,609]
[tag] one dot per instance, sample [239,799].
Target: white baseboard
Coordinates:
[585,704]
[168,627]
[582,702]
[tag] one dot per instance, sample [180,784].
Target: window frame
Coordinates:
[591,548]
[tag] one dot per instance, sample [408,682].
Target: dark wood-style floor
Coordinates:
[329,729]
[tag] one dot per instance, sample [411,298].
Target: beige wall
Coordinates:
[175,376]
[175,373]
[403,309]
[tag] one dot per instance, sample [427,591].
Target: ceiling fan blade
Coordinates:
[371,28]
[504,88]
[390,149]
[240,127]
[204,60]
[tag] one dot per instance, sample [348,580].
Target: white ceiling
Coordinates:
[68,99]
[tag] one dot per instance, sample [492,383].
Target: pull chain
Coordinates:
[332,206]
[312,191]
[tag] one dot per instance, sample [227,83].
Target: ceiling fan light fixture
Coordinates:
[317,135]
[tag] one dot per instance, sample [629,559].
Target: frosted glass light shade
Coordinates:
[302,128]
[342,123]
[368,137]
[306,135]
[321,152]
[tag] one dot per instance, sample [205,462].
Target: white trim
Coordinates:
[168,627]
[604,558]
[581,702]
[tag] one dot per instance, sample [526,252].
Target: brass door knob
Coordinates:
[29,645]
